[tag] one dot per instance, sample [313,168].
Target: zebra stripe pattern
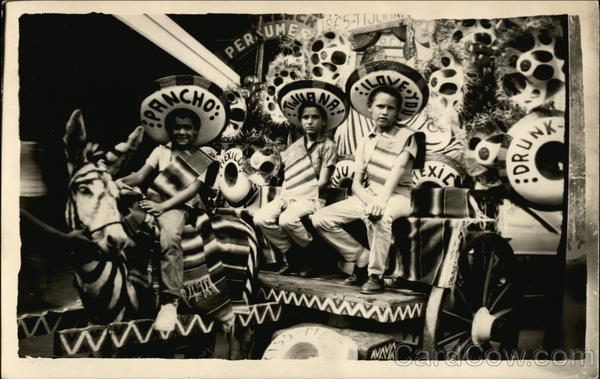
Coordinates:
[105,287]
[118,288]
[351,131]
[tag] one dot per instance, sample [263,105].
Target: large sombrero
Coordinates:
[195,93]
[407,81]
[326,95]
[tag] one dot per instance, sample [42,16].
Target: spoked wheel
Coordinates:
[479,316]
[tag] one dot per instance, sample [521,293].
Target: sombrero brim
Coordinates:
[407,81]
[328,96]
[195,93]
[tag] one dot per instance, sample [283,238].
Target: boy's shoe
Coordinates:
[373,285]
[308,272]
[285,269]
[290,262]
[358,276]
[166,318]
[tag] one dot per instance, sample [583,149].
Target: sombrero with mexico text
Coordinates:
[331,98]
[411,86]
[194,93]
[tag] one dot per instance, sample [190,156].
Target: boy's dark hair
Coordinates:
[182,113]
[384,89]
[321,110]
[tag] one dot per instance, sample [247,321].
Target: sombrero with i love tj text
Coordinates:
[411,87]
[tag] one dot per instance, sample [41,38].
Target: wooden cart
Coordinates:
[472,308]
[467,305]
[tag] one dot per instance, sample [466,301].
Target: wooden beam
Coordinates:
[170,37]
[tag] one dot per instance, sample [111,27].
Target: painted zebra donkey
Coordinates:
[113,280]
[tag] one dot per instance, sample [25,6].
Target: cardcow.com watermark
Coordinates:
[406,355]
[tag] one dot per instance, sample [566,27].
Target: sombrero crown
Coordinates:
[410,85]
[195,93]
[329,97]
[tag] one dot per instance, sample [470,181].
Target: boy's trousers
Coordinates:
[171,224]
[280,222]
[328,222]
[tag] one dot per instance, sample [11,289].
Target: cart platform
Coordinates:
[333,296]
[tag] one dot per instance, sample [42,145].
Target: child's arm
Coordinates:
[138,177]
[156,209]
[329,155]
[357,188]
[376,208]
[359,172]
[324,177]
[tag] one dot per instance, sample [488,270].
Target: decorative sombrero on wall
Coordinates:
[407,81]
[195,93]
[328,96]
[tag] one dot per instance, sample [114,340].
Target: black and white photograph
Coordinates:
[227,189]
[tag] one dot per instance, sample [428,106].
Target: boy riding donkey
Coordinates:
[185,112]
[317,107]
[389,93]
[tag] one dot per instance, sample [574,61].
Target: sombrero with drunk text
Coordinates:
[408,82]
[199,95]
[331,98]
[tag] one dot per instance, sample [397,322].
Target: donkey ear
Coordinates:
[118,157]
[75,140]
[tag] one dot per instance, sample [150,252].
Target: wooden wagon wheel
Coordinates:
[480,313]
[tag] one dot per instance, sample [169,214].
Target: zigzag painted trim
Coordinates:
[119,334]
[39,324]
[383,352]
[344,307]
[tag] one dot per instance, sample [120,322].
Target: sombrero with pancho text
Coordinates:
[195,93]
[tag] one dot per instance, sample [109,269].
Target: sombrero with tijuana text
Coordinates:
[329,97]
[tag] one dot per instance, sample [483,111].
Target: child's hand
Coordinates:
[375,209]
[119,182]
[155,209]
[77,240]
[284,201]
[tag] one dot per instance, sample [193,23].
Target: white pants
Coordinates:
[328,222]
[280,222]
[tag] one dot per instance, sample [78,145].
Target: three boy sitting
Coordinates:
[384,157]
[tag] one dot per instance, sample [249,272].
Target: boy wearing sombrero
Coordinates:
[178,167]
[387,92]
[308,164]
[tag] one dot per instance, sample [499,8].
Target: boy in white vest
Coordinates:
[308,165]
[385,159]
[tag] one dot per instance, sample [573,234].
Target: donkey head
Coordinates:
[92,197]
